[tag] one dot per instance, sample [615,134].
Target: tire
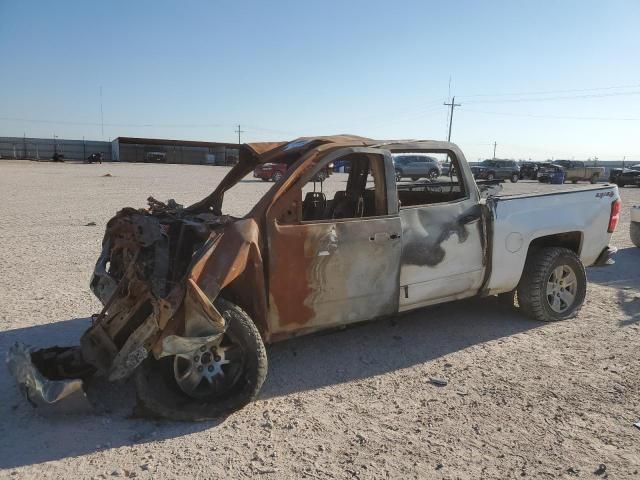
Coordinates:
[514,178]
[433,174]
[160,395]
[634,233]
[415,179]
[593,179]
[490,176]
[574,181]
[533,289]
[276,176]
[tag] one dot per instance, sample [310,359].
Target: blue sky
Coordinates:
[195,69]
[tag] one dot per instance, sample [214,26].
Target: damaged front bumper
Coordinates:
[152,303]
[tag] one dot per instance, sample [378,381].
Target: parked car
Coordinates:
[613,173]
[191,295]
[634,228]
[629,176]
[416,166]
[574,171]
[95,157]
[276,171]
[498,170]
[529,170]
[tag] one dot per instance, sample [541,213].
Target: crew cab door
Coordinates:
[443,237]
[334,247]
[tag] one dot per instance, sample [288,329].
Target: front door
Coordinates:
[337,260]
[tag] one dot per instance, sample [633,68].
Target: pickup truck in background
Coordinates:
[192,295]
[574,171]
[628,176]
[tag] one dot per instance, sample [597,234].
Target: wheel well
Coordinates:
[570,240]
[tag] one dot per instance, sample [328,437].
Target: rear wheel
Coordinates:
[210,381]
[490,176]
[620,184]
[276,176]
[515,177]
[553,285]
[594,179]
[433,174]
[634,232]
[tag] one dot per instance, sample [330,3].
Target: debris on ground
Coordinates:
[441,382]
[90,224]
[600,470]
[107,175]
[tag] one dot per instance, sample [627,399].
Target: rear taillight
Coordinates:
[615,216]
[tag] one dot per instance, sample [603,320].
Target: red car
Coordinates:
[275,171]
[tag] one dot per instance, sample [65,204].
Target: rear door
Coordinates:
[341,263]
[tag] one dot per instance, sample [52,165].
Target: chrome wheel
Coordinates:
[210,370]
[561,288]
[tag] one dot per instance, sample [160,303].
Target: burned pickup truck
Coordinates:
[191,295]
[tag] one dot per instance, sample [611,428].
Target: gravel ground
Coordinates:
[523,399]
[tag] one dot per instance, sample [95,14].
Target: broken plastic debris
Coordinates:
[44,392]
[441,382]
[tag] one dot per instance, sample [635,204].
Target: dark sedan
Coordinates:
[629,176]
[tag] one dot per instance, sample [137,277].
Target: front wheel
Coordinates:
[553,285]
[491,176]
[515,177]
[211,381]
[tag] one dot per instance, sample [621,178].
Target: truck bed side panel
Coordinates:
[519,220]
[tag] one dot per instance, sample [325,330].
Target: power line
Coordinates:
[547,92]
[567,97]
[556,117]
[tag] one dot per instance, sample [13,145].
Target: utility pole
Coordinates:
[84,149]
[101,115]
[238,131]
[495,144]
[453,104]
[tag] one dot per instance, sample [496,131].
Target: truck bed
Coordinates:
[519,218]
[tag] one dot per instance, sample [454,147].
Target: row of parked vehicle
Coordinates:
[625,176]
[417,166]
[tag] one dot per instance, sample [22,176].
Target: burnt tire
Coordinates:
[159,394]
[634,233]
[534,298]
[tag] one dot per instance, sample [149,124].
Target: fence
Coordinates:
[23,148]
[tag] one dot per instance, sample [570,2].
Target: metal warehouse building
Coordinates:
[154,150]
[20,148]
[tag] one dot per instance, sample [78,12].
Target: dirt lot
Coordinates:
[523,399]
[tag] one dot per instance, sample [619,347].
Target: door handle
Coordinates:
[381,237]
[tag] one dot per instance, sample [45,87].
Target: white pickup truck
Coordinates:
[191,295]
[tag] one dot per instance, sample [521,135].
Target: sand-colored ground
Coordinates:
[523,399]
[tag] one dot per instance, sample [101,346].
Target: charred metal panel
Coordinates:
[333,273]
